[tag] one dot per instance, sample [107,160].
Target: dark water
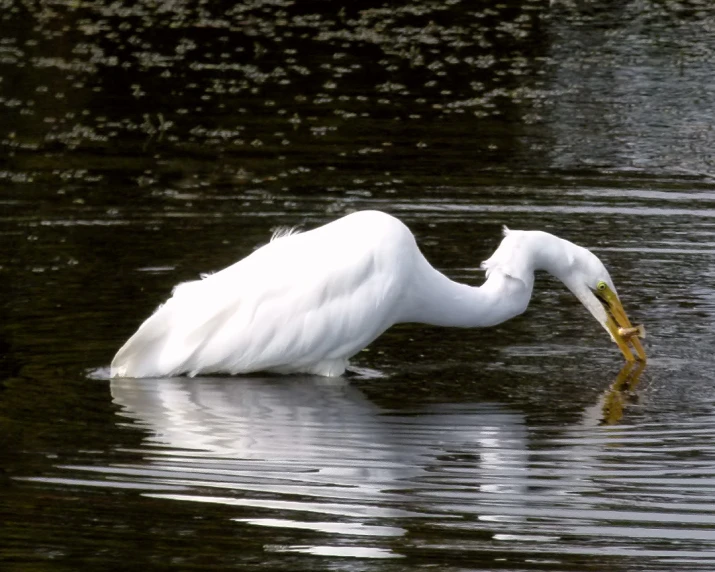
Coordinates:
[143,143]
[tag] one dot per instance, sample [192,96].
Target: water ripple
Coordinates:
[308,454]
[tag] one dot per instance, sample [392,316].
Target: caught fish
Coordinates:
[637,331]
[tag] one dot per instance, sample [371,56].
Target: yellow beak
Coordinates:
[617,320]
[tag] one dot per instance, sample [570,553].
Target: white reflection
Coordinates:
[306,445]
[250,417]
[335,474]
[291,420]
[348,528]
[339,551]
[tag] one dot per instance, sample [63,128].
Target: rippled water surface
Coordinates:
[144,143]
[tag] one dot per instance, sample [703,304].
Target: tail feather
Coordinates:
[143,354]
[168,341]
[135,357]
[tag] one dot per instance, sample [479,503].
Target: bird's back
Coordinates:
[304,302]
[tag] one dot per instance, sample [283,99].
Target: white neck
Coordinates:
[440,301]
[435,299]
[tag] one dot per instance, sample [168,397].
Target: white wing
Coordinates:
[304,302]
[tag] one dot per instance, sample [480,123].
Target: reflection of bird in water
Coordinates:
[317,454]
[307,302]
[299,416]
[286,448]
[305,422]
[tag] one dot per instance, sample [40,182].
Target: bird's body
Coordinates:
[307,302]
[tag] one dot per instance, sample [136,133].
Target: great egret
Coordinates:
[307,302]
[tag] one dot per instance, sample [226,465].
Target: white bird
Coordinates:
[307,302]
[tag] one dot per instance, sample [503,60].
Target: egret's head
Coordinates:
[589,280]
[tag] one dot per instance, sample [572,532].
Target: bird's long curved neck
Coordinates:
[440,301]
[435,299]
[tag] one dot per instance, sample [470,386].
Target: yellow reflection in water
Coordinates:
[616,398]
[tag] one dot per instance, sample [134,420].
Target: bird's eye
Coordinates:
[601,286]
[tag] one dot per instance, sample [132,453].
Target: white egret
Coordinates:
[307,302]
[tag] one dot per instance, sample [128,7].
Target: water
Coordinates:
[143,144]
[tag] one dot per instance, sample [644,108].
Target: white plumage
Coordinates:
[307,302]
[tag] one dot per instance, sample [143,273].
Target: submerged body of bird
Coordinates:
[307,302]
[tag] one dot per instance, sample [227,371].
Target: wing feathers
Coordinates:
[303,302]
